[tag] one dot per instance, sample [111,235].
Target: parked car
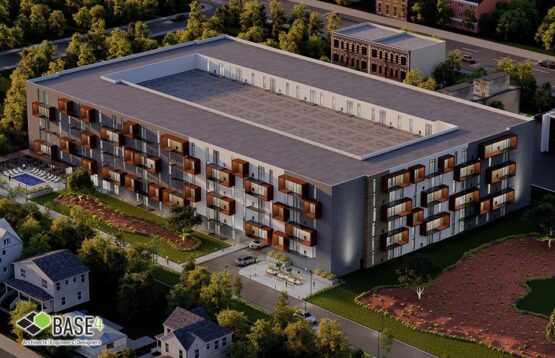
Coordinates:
[307,316]
[178,18]
[255,244]
[547,63]
[468,59]
[245,260]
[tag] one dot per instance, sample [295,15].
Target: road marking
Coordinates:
[469,49]
[537,69]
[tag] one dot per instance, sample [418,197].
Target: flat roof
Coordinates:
[312,162]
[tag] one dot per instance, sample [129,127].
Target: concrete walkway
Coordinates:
[12,349]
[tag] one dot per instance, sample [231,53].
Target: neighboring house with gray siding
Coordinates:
[11,247]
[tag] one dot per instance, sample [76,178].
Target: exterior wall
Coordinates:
[392,8]
[485,88]
[459,6]
[9,253]
[510,100]
[205,349]
[426,59]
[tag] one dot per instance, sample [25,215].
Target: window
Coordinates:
[428,129]
[167,347]
[336,43]
[110,345]
[379,8]
[335,57]
[411,125]
[3,252]
[207,345]
[365,50]
[5,269]
[216,344]
[395,10]
[333,102]
[44,284]
[374,114]
[403,60]
[74,279]
[67,282]
[287,89]
[298,92]
[83,277]
[22,273]
[349,108]
[79,295]
[252,78]
[382,117]
[63,301]
[321,99]
[387,9]
[358,110]
[197,353]
[399,121]
[180,353]
[264,82]
[224,341]
[57,286]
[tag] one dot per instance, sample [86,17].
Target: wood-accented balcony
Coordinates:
[485,205]
[116,176]
[192,192]
[132,183]
[43,110]
[467,170]
[280,241]
[172,197]
[463,199]
[89,165]
[221,203]
[191,165]
[67,145]
[47,150]
[175,144]
[303,235]
[258,231]
[290,185]
[446,163]
[280,211]
[396,180]
[151,163]
[88,140]
[502,198]
[220,175]
[240,168]
[417,173]
[435,195]
[435,224]
[155,191]
[113,136]
[416,217]
[498,146]
[396,209]
[259,189]
[129,156]
[499,172]
[65,106]
[312,208]
[131,129]
[86,113]
[394,238]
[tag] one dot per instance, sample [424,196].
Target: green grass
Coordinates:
[541,298]
[340,300]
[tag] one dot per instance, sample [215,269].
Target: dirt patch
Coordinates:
[126,223]
[475,299]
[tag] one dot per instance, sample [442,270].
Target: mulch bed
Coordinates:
[126,223]
[474,300]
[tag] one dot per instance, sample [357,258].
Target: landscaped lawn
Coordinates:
[541,298]
[340,300]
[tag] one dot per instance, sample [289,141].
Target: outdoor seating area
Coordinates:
[284,276]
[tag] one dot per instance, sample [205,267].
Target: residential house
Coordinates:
[10,249]
[467,13]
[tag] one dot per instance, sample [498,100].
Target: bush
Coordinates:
[324,274]
[278,256]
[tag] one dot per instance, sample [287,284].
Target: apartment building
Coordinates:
[338,168]
[467,13]
[397,9]
[385,51]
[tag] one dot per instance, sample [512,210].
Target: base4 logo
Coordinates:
[62,325]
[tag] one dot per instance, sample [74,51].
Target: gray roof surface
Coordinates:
[28,289]
[181,317]
[407,41]
[391,37]
[294,156]
[366,31]
[493,76]
[6,230]
[59,265]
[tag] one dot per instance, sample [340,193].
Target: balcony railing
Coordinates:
[131,129]
[303,235]
[220,203]
[67,145]
[132,183]
[220,175]
[172,197]
[65,106]
[116,176]
[290,185]
[191,165]
[259,189]
[258,231]
[416,217]
[47,150]
[435,195]
[155,191]
[502,198]
[396,209]
[394,238]
[88,140]
[396,180]
[86,113]
[435,224]
[463,199]
[467,170]
[113,136]
[43,110]
[171,143]
[500,172]
[89,165]
[498,146]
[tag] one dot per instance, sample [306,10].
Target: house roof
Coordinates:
[6,231]
[181,317]
[59,265]
[28,289]
[189,325]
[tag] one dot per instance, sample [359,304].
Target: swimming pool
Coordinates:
[28,179]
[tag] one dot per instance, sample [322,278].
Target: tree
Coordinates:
[522,74]
[386,342]
[83,18]
[97,12]
[542,217]
[542,98]
[497,104]
[38,20]
[79,182]
[237,285]
[263,337]
[334,22]
[28,228]
[22,308]
[444,13]
[343,2]
[195,24]
[416,271]
[550,329]
[86,54]
[184,220]
[68,234]
[253,14]
[118,44]
[300,338]
[278,18]
[241,349]
[213,27]
[294,39]
[518,21]
[135,294]
[414,78]
[217,294]
[139,35]
[56,66]
[330,339]
[299,12]
[38,244]
[180,296]
[237,321]
[423,11]
[546,31]
[57,22]
[254,34]
[9,37]
[315,24]
[283,313]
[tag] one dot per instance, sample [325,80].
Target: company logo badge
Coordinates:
[35,322]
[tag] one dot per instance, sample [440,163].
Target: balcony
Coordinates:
[259,189]
[192,192]
[132,183]
[67,145]
[116,176]
[155,191]
[280,241]
[258,231]
[463,199]
[417,173]
[280,212]
[394,238]
[396,209]
[131,129]
[303,235]
[65,106]
[435,224]
[500,172]
[485,205]
[467,170]
[47,150]
[498,146]
[220,175]
[86,113]
[446,163]
[291,185]
[312,208]
[191,165]
[502,198]
[171,197]
[43,110]
[396,180]
[151,163]
[111,135]
[89,165]
[171,143]
[240,168]
[129,156]
[435,195]
[88,140]
[416,217]
[220,203]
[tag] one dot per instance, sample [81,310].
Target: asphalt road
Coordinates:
[265,297]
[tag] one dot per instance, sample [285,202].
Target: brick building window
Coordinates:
[335,57]
[363,65]
[387,9]
[395,10]
[336,43]
[379,7]
[364,50]
[374,53]
[403,61]
[373,68]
